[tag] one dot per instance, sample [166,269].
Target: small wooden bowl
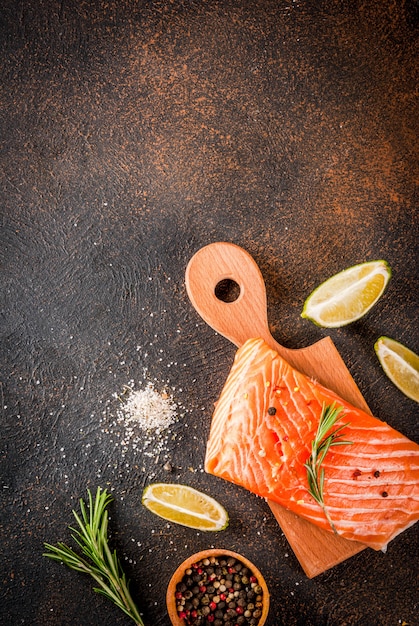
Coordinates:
[179,573]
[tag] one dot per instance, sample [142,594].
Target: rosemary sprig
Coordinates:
[320,446]
[98,561]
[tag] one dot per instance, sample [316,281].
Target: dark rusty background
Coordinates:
[133,133]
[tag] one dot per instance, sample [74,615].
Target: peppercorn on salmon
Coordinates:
[262,435]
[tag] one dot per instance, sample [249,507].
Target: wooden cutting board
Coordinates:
[215,266]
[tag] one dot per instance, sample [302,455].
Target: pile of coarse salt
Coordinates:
[147,408]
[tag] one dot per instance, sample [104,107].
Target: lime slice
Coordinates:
[347,296]
[400,364]
[184,505]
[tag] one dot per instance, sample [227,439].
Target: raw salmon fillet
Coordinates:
[371,486]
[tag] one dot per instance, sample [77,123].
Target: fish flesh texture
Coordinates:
[261,437]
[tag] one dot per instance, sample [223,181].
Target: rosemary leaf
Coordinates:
[320,446]
[98,561]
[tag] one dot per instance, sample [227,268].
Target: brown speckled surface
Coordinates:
[133,133]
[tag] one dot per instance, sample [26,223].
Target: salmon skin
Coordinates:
[261,435]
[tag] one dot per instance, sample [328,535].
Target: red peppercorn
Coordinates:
[182,615]
[194,613]
[202,589]
[178,595]
[253,579]
[200,570]
[240,610]
[222,596]
[210,618]
[212,606]
[231,570]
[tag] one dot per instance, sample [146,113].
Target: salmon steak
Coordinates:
[261,438]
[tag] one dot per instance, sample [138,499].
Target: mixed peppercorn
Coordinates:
[219,591]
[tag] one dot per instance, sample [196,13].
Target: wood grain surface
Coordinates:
[133,134]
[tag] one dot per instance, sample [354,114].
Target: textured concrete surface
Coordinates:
[133,133]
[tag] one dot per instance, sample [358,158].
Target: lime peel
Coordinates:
[400,364]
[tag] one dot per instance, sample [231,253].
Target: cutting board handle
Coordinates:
[209,274]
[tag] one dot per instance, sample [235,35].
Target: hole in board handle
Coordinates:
[227,290]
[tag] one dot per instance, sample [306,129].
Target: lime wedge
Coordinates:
[184,505]
[400,364]
[348,295]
